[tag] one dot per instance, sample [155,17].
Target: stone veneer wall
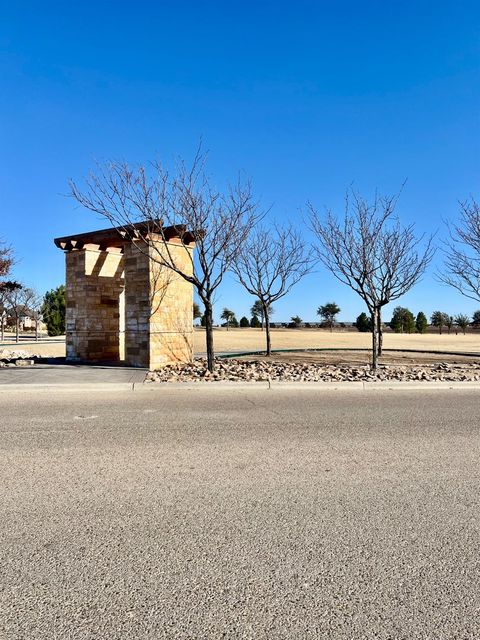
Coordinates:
[158,308]
[94,285]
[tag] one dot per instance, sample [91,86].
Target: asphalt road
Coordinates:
[239,514]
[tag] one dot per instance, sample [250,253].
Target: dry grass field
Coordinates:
[239,340]
[254,340]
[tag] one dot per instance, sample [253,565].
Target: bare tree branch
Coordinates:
[462,253]
[369,251]
[19,300]
[185,201]
[269,263]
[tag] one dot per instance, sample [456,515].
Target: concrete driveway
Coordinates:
[69,375]
[232,513]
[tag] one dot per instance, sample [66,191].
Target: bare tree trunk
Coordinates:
[17,330]
[209,335]
[374,340]
[3,327]
[380,331]
[36,330]
[267,333]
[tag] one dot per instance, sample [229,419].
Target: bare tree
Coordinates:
[269,264]
[368,250]
[34,308]
[3,319]
[3,310]
[185,202]
[6,289]
[19,300]
[462,252]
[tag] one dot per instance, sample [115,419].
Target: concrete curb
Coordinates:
[68,386]
[244,386]
[434,384]
[313,386]
[260,384]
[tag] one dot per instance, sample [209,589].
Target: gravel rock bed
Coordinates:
[259,370]
[15,358]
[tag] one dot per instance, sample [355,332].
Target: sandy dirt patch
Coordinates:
[49,348]
[236,340]
[358,358]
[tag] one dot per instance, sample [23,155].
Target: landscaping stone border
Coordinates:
[236,370]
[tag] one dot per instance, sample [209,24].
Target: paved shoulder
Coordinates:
[64,375]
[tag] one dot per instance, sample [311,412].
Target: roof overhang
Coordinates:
[116,237]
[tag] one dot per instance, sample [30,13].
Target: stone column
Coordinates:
[158,307]
[94,285]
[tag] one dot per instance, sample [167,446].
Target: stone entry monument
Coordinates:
[121,305]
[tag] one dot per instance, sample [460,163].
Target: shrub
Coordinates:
[53,311]
[363,323]
[462,321]
[255,322]
[421,323]
[440,319]
[402,320]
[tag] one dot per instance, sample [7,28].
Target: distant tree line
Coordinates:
[402,321]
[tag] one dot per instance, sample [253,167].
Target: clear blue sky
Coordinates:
[305,97]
